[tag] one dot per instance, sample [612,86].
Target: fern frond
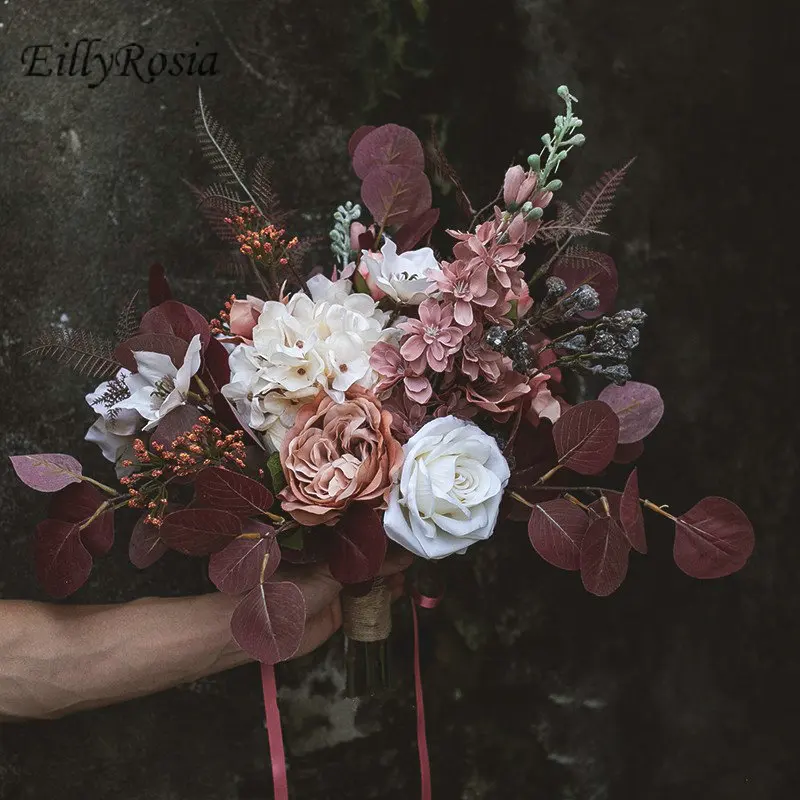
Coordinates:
[221,194]
[262,189]
[116,391]
[83,351]
[214,215]
[445,173]
[218,146]
[595,203]
[589,261]
[231,265]
[128,320]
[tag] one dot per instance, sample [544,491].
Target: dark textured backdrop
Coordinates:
[672,688]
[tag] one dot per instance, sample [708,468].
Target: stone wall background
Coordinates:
[672,688]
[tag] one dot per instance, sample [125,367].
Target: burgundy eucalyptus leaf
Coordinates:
[247,561]
[199,531]
[175,424]
[713,538]
[176,319]
[388,146]
[415,230]
[164,343]
[556,529]
[77,503]
[216,369]
[217,487]
[146,545]
[627,453]
[396,194]
[593,269]
[357,136]
[62,561]
[358,545]
[639,407]
[268,623]
[313,549]
[47,472]
[630,514]
[585,437]
[604,557]
[157,286]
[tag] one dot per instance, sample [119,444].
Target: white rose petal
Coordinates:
[449,490]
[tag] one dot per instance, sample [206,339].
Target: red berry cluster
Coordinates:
[263,243]
[204,446]
[220,325]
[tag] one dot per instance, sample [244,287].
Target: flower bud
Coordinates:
[534,162]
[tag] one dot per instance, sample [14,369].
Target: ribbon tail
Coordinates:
[422,740]
[273,715]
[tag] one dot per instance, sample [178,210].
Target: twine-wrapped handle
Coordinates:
[368,617]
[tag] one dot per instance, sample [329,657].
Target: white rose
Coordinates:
[402,277]
[449,490]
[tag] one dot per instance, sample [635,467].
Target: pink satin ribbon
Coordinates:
[423,601]
[276,753]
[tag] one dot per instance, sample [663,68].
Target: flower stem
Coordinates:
[106,489]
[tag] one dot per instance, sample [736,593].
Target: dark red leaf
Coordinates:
[172,346]
[218,487]
[216,369]
[415,230]
[358,545]
[387,146]
[357,136]
[77,503]
[314,549]
[269,622]
[145,546]
[47,472]
[62,561]
[626,453]
[241,565]
[713,538]
[176,319]
[604,557]
[175,424]
[157,286]
[630,514]
[585,437]
[556,529]
[594,269]
[396,194]
[199,531]
[639,407]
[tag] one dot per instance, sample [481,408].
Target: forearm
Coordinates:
[58,659]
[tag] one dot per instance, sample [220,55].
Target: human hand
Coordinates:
[321,592]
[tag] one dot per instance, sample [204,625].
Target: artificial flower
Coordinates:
[337,454]
[432,337]
[449,490]
[401,276]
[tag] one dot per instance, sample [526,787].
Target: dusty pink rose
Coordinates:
[337,454]
[244,316]
[432,337]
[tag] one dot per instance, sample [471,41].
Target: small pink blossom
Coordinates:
[432,337]
[480,360]
[387,361]
[244,316]
[518,186]
[542,403]
[408,416]
[466,286]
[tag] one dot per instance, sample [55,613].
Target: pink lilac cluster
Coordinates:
[442,364]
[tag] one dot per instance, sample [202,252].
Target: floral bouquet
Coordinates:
[396,394]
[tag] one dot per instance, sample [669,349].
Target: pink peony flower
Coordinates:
[337,454]
[432,337]
[500,399]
